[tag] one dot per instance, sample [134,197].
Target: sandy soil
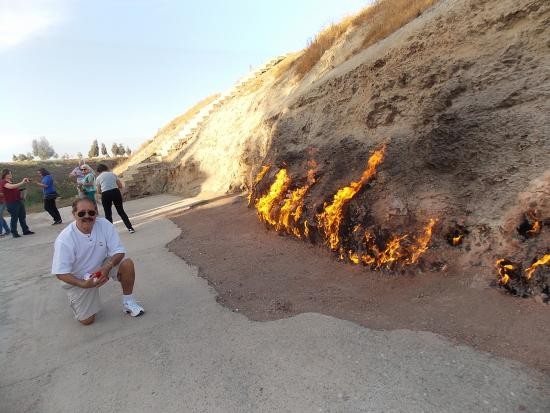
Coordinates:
[267,276]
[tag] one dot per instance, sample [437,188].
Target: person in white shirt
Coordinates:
[79,175]
[109,186]
[87,246]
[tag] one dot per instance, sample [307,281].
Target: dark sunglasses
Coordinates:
[91,213]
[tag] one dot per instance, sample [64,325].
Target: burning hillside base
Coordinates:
[357,236]
[282,208]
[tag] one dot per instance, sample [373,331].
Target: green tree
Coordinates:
[121,149]
[104,150]
[42,148]
[79,155]
[14,158]
[94,150]
[114,149]
[128,151]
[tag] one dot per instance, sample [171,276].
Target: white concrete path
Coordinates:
[189,354]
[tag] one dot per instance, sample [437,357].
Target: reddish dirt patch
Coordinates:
[267,276]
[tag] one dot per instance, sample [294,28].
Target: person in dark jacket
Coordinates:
[49,194]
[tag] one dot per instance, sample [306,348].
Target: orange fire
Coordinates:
[293,206]
[259,177]
[535,229]
[393,251]
[541,261]
[331,218]
[282,209]
[508,270]
[396,250]
[422,242]
[505,269]
[457,240]
[266,204]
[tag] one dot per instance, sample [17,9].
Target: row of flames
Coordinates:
[282,208]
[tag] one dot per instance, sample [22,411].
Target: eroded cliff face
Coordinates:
[459,98]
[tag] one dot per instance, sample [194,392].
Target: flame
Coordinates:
[331,218]
[258,178]
[265,204]
[282,209]
[353,257]
[535,229]
[293,206]
[457,240]
[422,242]
[291,211]
[505,270]
[541,261]
[392,253]
[368,259]
[396,249]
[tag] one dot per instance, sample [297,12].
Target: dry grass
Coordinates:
[387,16]
[148,147]
[319,45]
[382,19]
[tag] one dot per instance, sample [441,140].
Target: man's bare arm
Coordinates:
[111,262]
[77,282]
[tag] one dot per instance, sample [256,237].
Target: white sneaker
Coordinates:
[133,308]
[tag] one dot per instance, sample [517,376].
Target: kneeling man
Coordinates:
[87,253]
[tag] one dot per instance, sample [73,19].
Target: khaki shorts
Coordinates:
[85,301]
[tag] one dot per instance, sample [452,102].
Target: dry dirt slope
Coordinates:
[459,96]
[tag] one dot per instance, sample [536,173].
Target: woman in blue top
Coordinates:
[49,193]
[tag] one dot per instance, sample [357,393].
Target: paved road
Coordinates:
[189,354]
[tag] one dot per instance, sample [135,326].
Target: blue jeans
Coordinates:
[17,212]
[3,224]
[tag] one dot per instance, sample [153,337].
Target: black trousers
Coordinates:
[110,197]
[51,208]
[18,213]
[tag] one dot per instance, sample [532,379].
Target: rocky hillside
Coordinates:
[459,99]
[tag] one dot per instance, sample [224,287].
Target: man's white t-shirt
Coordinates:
[79,254]
[106,181]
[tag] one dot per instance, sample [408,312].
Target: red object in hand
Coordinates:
[96,274]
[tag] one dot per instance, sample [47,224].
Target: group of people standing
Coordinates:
[106,183]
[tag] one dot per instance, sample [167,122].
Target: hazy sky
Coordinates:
[118,70]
